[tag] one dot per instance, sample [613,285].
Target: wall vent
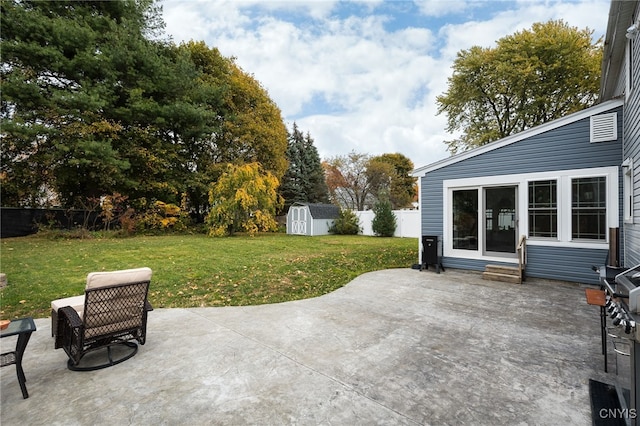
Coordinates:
[604,127]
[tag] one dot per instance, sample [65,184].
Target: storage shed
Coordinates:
[311,219]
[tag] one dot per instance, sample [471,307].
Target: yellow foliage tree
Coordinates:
[244,199]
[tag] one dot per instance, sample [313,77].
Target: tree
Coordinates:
[90,100]
[384,221]
[54,84]
[292,185]
[91,106]
[304,180]
[347,180]
[243,199]
[252,129]
[241,125]
[529,78]
[315,183]
[356,181]
[390,179]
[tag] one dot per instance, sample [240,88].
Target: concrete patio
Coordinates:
[391,347]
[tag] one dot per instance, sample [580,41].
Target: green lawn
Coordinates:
[195,270]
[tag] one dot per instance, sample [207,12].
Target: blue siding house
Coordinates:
[558,185]
[621,80]
[569,188]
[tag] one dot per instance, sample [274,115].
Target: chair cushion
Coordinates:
[76,302]
[104,279]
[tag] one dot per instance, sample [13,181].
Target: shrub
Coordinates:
[346,224]
[164,216]
[114,208]
[128,222]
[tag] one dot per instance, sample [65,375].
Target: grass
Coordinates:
[195,270]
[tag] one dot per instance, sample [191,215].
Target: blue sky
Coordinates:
[363,75]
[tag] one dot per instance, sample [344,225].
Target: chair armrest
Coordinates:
[70,316]
[69,328]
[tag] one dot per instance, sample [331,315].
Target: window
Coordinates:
[465,219]
[543,209]
[556,208]
[589,208]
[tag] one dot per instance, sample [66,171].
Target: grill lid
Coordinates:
[628,284]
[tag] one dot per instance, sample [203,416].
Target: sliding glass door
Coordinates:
[500,219]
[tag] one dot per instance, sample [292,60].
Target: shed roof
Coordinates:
[321,211]
[571,118]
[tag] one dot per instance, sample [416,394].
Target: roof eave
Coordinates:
[613,56]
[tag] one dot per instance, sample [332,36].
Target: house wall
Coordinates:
[631,149]
[563,148]
[548,262]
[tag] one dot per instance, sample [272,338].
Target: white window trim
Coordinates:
[564,179]
[627,189]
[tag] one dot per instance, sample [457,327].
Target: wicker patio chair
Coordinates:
[113,315]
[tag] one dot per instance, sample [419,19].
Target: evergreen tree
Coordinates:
[384,221]
[304,180]
[291,188]
[315,184]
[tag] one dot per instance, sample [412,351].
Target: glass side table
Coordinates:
[22,328]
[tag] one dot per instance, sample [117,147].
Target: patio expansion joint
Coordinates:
[310,368]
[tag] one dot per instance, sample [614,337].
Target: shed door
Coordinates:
[299,219]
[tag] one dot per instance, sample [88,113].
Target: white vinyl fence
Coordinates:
[407,223]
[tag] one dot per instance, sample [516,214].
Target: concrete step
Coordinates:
[508,278]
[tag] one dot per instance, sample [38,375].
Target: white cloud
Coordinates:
[317,9]
[441,7]
[380,84]
[200,20]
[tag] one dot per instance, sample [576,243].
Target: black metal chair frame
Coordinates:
[113,315]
